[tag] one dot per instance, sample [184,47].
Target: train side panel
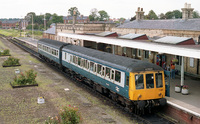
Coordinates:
[123,91]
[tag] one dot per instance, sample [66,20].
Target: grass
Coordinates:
[16,33]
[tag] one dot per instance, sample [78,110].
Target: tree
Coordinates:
[177,14]
[57,19]
[162,16]
[133,18]
[169,15]
[152,15]
[196,14]
[103,15]
[71,11]
[93,14]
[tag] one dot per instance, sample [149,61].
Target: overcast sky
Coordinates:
[115,8]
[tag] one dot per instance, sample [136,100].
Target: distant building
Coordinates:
[79,19]
[50,33]
[19,23]
[8,24]
[0,23]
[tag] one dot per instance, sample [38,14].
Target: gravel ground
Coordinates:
[20,106]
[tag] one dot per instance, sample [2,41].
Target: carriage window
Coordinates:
[113,75]
[139,81]
[82,62]
[71,58]
[91,66]
[159,80]
[117,76]
[74,59]
[79,61]
[107,72]
[85,65]
[103,71]
[127,80]
[149,81]
[57,52]
[88,65]
[65,56]
[99,69]
[95,68]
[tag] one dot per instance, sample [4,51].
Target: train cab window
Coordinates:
[139,81]
[107,72]
[159,78]
[79,61]
[149,81]
[99,69]
[117,76]
[92,66]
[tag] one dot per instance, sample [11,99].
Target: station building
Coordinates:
[175,32]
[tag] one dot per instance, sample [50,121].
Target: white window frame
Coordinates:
[139,51]
[192,62]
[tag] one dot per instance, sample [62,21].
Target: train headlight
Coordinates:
[160,94]
[139,96]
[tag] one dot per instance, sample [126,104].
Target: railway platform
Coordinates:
[183,108]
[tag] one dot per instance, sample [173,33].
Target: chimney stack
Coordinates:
[187,12]
[139,14]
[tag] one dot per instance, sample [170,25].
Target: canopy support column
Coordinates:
[182,71]
[113,47]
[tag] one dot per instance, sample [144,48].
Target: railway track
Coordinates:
[144,119]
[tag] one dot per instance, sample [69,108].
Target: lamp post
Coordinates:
[74,19]
[32,26]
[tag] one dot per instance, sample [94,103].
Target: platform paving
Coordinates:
[189,102]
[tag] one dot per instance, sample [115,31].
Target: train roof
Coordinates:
[52,43]
[116,61]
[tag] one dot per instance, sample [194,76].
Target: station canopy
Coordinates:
[130,36]
[192,51]
[172,40]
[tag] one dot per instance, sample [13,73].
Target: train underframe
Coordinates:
[138,107]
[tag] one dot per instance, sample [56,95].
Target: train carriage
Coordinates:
[50,50]
[134,83]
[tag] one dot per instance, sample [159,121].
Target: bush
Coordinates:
[6,52]
[11,61]
[28,78]
[67,115]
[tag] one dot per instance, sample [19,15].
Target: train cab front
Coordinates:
[147,89]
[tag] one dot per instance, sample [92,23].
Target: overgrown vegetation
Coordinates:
[6,52]
[11,61]
[16,33]
[67,115]
[27,79]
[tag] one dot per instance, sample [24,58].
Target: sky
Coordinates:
[114,8]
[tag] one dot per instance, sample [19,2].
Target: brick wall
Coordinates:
[181,116]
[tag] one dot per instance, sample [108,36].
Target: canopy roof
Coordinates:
[181,50]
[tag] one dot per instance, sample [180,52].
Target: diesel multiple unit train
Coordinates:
[133,83]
